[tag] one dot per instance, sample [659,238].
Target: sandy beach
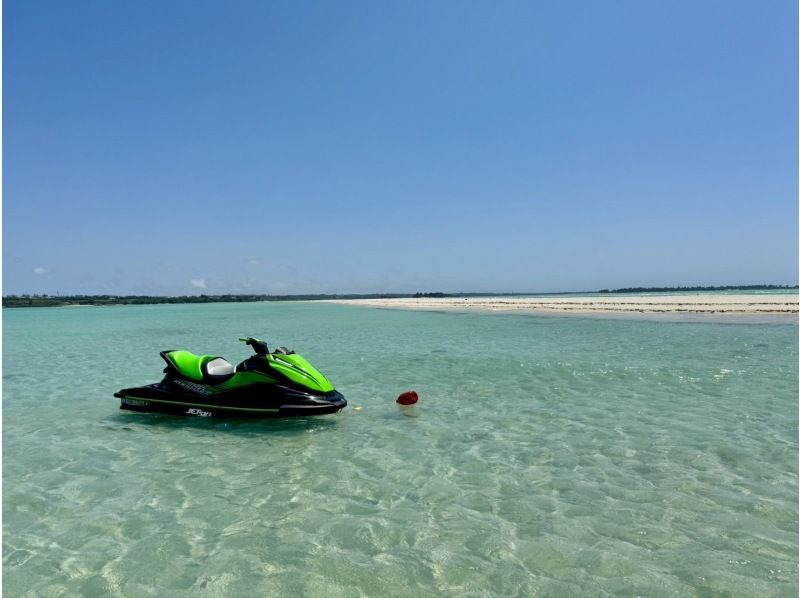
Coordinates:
[740,304]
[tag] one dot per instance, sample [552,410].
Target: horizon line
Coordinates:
[424,293]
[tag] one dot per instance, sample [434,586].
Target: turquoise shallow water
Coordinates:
[549,456]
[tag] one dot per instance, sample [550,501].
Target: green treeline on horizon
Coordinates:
[50,301]
[66,300]
[751,287]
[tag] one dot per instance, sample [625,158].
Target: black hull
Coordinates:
[276,401]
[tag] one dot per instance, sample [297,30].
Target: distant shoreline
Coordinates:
[752,287]
[104,300]
[101,300]
[776,304]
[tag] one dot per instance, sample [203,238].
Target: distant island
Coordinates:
[102,300]
[68,300]
[752,287]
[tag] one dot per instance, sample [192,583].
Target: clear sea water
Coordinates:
[548,456]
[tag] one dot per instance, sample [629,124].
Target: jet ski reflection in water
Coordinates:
[277,384]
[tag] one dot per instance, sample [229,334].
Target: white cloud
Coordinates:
[40,270]
[200,283]
[254,262]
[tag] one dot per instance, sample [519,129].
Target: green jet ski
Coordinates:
[277,384]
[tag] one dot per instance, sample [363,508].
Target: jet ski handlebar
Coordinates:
[260,347]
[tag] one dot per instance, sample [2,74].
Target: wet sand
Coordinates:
[720,305]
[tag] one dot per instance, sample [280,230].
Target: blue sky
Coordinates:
[282,147]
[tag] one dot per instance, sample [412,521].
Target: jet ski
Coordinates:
[277,384]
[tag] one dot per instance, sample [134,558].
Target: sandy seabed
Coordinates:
[743,304]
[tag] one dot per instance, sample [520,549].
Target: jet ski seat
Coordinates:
[207,369]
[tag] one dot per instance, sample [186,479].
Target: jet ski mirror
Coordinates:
[260,347]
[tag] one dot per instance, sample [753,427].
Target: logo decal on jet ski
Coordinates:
[198,412]
[134,402]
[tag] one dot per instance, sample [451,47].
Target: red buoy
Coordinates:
[408,398]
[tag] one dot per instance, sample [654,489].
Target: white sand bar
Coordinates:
[611,303]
